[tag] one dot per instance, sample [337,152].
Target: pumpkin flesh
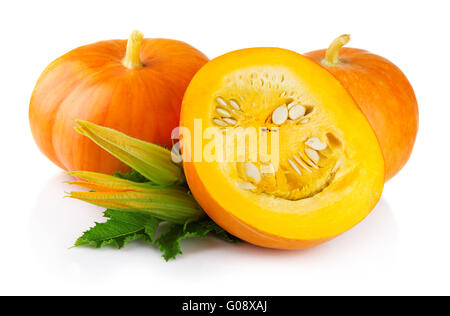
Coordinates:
[304,202]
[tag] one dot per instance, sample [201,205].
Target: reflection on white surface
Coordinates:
[56,222]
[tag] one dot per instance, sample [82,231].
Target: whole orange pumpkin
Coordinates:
[135,87]
[382,92]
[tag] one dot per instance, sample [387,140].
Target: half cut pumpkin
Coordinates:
[321,171]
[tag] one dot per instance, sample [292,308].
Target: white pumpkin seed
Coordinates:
[296,112]
[336,166]
[280,115]
[219,122]
[221,101]
[223,112]
[304,121]
[315,143]
[312,154]
[237,114]
[268,169]
[234,105]
[230,121]
[294,166]
[302,164]
[308,161]
[246,186]
[251,170]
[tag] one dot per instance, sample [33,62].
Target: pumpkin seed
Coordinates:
[246,186]
[336,166]
[307,161]
[221,101]
[302,164]
[304,121]
[296,112]
[315,143]
[267,169]
[219,122]
[251,170]
[294,166]
[230,121]
[312,154]
[223,112]
[280,115]
[234,105]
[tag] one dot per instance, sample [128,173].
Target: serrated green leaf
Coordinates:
[141,208]
[121,228]
[219,232]
[169,241]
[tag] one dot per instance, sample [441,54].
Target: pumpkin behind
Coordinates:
[139,94]
[382,92]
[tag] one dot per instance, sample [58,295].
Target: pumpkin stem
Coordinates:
[332,54]
[132,58]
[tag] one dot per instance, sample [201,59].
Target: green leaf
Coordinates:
[121,228]
[140,208]
[219,232]
[169,241]
[125,226]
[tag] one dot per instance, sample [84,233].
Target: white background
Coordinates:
[401,248]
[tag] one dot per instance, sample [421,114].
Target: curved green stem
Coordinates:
[332,54]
